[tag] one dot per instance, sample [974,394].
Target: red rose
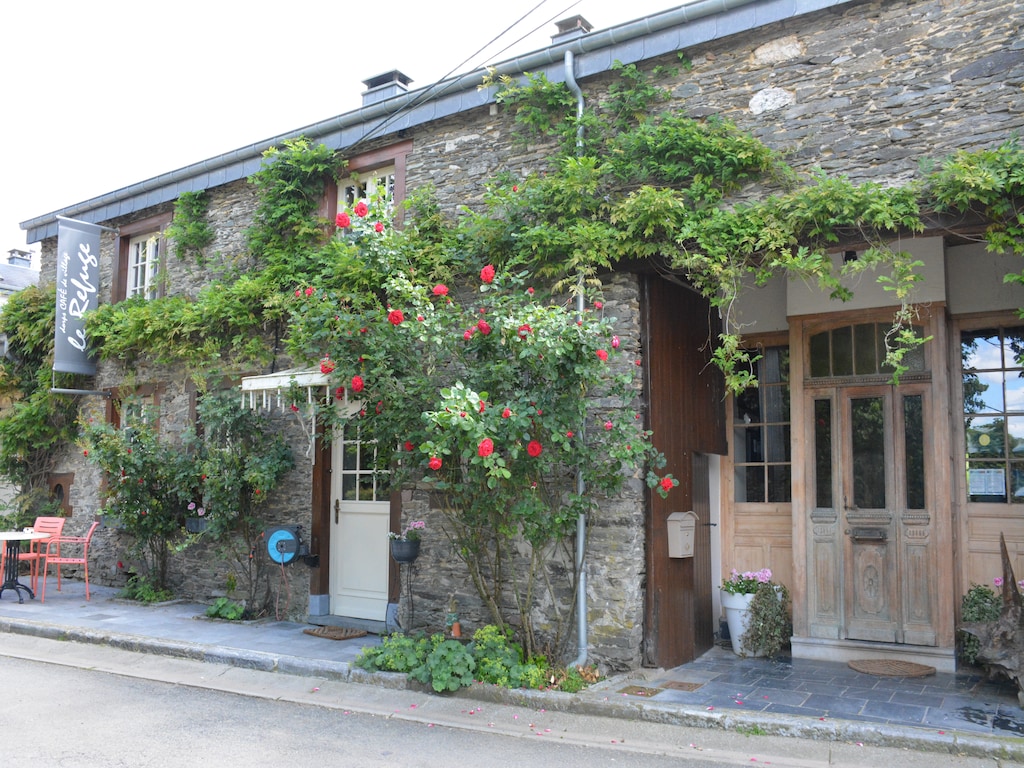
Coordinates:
[608,426]
[515,187]
[483,406]
[506,413]
[339,393]
[420,318]
[667,484]
[602,355]
[342,220]
[310,290]
[326,365]
[534,448]
[409,446]
[484,327]
[298,293]
[357,383]
[487,274]
[295,408]
[395,317]
[468,334]
[530,290]
[361,209]
[598,305]
[524,329]
[486,447]
[569,434]
[440,289]
[378,227]
[615,342]
[434,463]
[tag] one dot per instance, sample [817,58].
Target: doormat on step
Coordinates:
[891,668]
[336,633]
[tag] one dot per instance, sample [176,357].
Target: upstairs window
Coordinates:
[143,263]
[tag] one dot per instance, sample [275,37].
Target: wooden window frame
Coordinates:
[122,243]
[392,155]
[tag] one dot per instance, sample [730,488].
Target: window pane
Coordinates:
[1014,385]
[747,406]
[823,454]
[986,481]
[981,349]
[867,427]
[1017,482]
[842,351]
[348,487]
[985,438]
[749,444]
[750,484]
[913,432]
[778,483]
[864,349]
[820,355]
[777,443]
[351,457]
[1013,347]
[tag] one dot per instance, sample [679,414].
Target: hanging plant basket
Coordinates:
[196,524]
[405,551]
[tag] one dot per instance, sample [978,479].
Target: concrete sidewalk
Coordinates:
[949,713]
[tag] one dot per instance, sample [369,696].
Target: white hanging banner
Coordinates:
[78,280]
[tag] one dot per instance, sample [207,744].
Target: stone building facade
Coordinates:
[867,89]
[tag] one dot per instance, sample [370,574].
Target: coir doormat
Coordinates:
[891,668]
[335,633]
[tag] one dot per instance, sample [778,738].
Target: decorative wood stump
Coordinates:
[1002,640]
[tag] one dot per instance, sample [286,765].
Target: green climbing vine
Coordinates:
[190,231]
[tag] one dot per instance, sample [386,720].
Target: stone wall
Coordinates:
[867,89]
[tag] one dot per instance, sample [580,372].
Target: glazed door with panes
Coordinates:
[888,550]
[872,557]
[360,515]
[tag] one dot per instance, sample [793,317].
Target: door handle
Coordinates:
[337,510]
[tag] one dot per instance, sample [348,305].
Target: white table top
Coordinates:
[22,536]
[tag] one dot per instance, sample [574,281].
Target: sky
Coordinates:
[100,95]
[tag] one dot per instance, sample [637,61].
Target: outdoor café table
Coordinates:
[13,541]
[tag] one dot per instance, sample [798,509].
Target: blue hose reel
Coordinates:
[285,544]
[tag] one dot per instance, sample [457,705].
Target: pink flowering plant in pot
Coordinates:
[764,628]
[493,394]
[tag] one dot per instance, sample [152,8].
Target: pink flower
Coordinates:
[440,289]
[326,364]
[998,581]
[598,305]
[361,209]
[357,384]
[378,227]
[420,318]
[487,274]
[468,334]
[615,342]
[506,413]
[608,426]
[667,484]
[534,448]
[638,363]
[486,447]
[602,355]
[434,463]
[342,220]
[309,290]
[484,327]
[395,317]
[298,293]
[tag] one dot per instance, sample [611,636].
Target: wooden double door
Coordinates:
[873,563]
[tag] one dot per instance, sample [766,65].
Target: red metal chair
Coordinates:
[54,526]
[53,555]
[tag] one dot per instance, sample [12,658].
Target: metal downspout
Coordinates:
[581,521]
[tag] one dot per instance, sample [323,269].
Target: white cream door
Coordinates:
[359,533]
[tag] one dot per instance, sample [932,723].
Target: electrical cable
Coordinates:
[431,90]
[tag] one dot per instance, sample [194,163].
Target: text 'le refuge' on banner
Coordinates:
[78,279]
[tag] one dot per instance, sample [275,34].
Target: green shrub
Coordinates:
[225,608]
[141,589]
[981,603]
[396,653]
[448,667]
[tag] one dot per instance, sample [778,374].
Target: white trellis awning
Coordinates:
[275,391]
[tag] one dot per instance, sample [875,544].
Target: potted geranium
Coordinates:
[757,613]
[405,546]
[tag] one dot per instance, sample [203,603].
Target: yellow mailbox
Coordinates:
[681,526]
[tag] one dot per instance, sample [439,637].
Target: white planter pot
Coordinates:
[737,613]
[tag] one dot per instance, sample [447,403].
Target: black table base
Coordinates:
[11,572]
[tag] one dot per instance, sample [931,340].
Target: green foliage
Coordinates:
[190,231]
[768,624]
[448,667]
[141,589]
[979,604]
[226,608]
[541,107]
[34,422]
[396,653]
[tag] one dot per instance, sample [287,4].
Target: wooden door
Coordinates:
[888,547]
[360,520]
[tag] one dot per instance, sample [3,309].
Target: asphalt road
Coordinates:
[66,705]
